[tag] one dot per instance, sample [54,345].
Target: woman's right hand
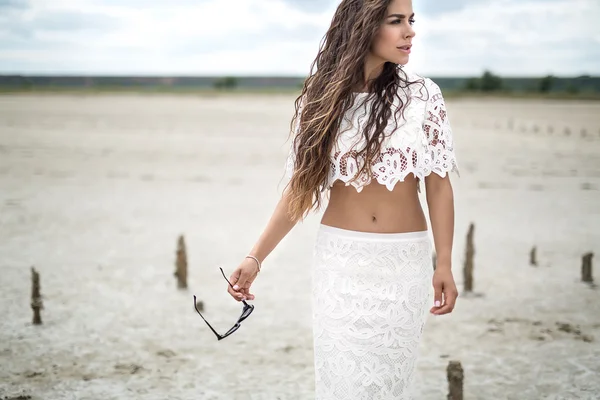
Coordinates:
[241,279]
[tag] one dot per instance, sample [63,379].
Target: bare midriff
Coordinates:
[376,208]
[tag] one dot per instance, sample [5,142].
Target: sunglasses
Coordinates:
[247,310]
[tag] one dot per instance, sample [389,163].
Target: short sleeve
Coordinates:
[436,125]
[290,162]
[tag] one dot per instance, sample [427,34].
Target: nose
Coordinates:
[410,33]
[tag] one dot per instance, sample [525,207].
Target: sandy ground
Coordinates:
[95,190]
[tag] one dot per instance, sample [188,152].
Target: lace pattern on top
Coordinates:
[423,143]
[370,301]
[437,129]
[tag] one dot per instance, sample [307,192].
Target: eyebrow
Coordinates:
[401,16]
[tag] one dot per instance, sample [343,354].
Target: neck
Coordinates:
[372,69]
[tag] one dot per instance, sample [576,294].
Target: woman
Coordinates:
[366,132]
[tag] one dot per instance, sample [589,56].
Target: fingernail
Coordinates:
[235,287]
[437,303]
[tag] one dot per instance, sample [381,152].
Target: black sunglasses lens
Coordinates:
[233,329]
[247,311]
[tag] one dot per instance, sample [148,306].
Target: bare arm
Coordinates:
[277,228]
[440,199]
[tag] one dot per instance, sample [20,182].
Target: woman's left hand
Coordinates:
[443,284]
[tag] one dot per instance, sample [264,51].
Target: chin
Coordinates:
[403,60]
[399,60]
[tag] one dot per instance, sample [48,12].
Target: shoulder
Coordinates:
[412,75]
[432,89]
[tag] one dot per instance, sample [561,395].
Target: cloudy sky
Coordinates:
[281,37]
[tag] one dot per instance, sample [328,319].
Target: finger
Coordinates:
[234,278]
[236,295]
[449,302]
[246,290]
[231,291]
[437,297]
[246,286]
[249,296]
[443,310]
[243,284]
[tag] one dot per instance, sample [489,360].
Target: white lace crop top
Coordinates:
[421,144]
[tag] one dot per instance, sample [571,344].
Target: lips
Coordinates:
[405,49]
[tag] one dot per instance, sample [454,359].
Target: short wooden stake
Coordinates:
[456,377]
[586,268]
[469,254]
[36,297]
[181,264]
[533,257]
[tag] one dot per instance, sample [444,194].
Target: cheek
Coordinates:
[386,40]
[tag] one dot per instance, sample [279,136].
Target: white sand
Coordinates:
[95,190]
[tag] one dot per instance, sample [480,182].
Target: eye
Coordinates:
[411,21]
[396,21]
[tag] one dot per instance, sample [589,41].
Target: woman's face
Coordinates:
[394,40]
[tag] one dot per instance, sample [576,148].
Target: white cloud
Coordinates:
[281,37]
[514,38]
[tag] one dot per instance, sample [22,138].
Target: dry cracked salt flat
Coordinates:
[94,191]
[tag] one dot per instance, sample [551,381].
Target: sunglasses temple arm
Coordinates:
[223,272]
[211,328]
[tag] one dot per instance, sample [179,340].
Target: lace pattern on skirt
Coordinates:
[371,294]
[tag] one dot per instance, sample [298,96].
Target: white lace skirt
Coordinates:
[371,295]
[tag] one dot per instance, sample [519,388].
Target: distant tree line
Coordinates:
[226,83]
[490,82]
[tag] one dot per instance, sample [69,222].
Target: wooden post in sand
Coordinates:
[586,268]
[181,264]
[36,297]
[469,254]
[456,376]
[533,256]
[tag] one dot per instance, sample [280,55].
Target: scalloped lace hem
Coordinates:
[389,179]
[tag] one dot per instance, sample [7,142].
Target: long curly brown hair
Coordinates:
[327,95]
